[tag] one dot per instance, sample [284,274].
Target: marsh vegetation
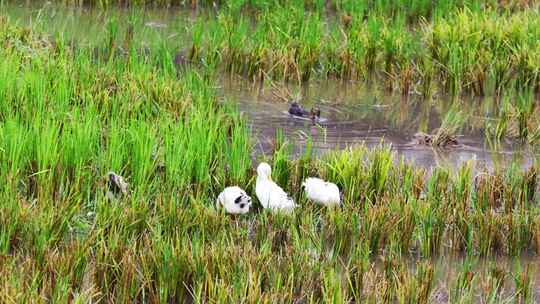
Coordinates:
[146,101]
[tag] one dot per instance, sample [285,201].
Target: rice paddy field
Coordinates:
[430,127]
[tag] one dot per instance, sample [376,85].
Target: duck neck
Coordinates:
[261,179]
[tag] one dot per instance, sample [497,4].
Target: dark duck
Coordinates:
[296,110]
[117,186]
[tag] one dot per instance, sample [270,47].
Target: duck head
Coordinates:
[243,201]
[315,113]
[295,109]
[264,171]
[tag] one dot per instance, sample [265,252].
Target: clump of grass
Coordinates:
[417,289]
[495,283]
[522,280]
[446,133]
[464,51]
[463,288]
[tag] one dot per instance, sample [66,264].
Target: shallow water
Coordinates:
[355,113]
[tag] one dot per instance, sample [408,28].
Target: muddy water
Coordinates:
[362,114]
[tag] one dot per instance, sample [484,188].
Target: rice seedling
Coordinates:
[300,49]
[416,289]
[446,134]
[494,283]
[522,280]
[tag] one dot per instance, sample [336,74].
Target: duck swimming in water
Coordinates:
[296,110]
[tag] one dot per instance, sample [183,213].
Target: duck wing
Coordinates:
[280,199]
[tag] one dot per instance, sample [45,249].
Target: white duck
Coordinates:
[234,200]
[270,195]
[321,192]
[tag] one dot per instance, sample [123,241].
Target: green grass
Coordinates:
[69,116]
[449,46]
[464,52]
[412,9]
[481,53]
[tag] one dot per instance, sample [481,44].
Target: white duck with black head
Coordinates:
[270,195]
[234,200]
